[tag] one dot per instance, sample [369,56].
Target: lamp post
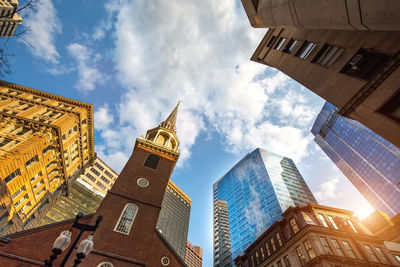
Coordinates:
[63,241]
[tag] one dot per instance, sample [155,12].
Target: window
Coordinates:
[95,171]
[12,176]
[104,179]
[365,64]
[280,43]
[294,226]
[397,257]
[349,222]
[273,244]
[326,246]
[337,247]
[88,175]
[349,250]
[322,220]
[101,185]
[252,260]
[84,121]
[290,46]
[391,108]
[101,168]
[105,264]
[267,249]
[5,141]
[108,174]
[262,253]
[152,161]
[278,237]
[309,249]
[301,256]
[279,263]
[382,255]
[305,50]
[327,55]
[371,253]
[330,218]
[31,161]
[271,41]
[127,217]
[257,258]
[287,261]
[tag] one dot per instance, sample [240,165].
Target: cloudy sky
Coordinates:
[134,59]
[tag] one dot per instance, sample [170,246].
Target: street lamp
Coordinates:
[63,241]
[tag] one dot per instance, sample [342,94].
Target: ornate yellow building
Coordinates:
[9,20]
[45,141]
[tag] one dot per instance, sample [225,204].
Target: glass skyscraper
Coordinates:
[257,190]
[370,162]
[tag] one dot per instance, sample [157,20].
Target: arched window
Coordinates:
[126,219]
[152,161]
[105,264]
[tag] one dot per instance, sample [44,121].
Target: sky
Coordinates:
[135,59]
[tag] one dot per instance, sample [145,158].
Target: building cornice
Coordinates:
[160,150]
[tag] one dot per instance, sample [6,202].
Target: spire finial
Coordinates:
[170,122]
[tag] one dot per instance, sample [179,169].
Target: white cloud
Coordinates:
[86,61]
[44,26]
[198,51]
[328,190]
[103,117]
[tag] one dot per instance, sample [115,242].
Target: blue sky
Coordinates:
[133,60]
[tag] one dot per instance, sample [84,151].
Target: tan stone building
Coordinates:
[316,235]
[99,177]
[194,255]
[345,51]
[45,142]
[9,20]
[384,227]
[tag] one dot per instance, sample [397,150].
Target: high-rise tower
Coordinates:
[222,238]
[257,190]
[173,221]
[371,163]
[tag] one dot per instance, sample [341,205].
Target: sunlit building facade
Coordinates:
[9,20]
[99,177]
[257,190]
[194,255]
[371,163]
[173,221]
[45,141]
[222,238]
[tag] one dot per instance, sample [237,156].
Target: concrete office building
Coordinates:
[345,51]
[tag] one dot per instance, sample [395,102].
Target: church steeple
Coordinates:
[170,122]
[165,134]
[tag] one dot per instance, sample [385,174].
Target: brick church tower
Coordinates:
[127,236]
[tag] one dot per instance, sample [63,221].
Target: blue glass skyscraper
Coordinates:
[371,163]
[257,190]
